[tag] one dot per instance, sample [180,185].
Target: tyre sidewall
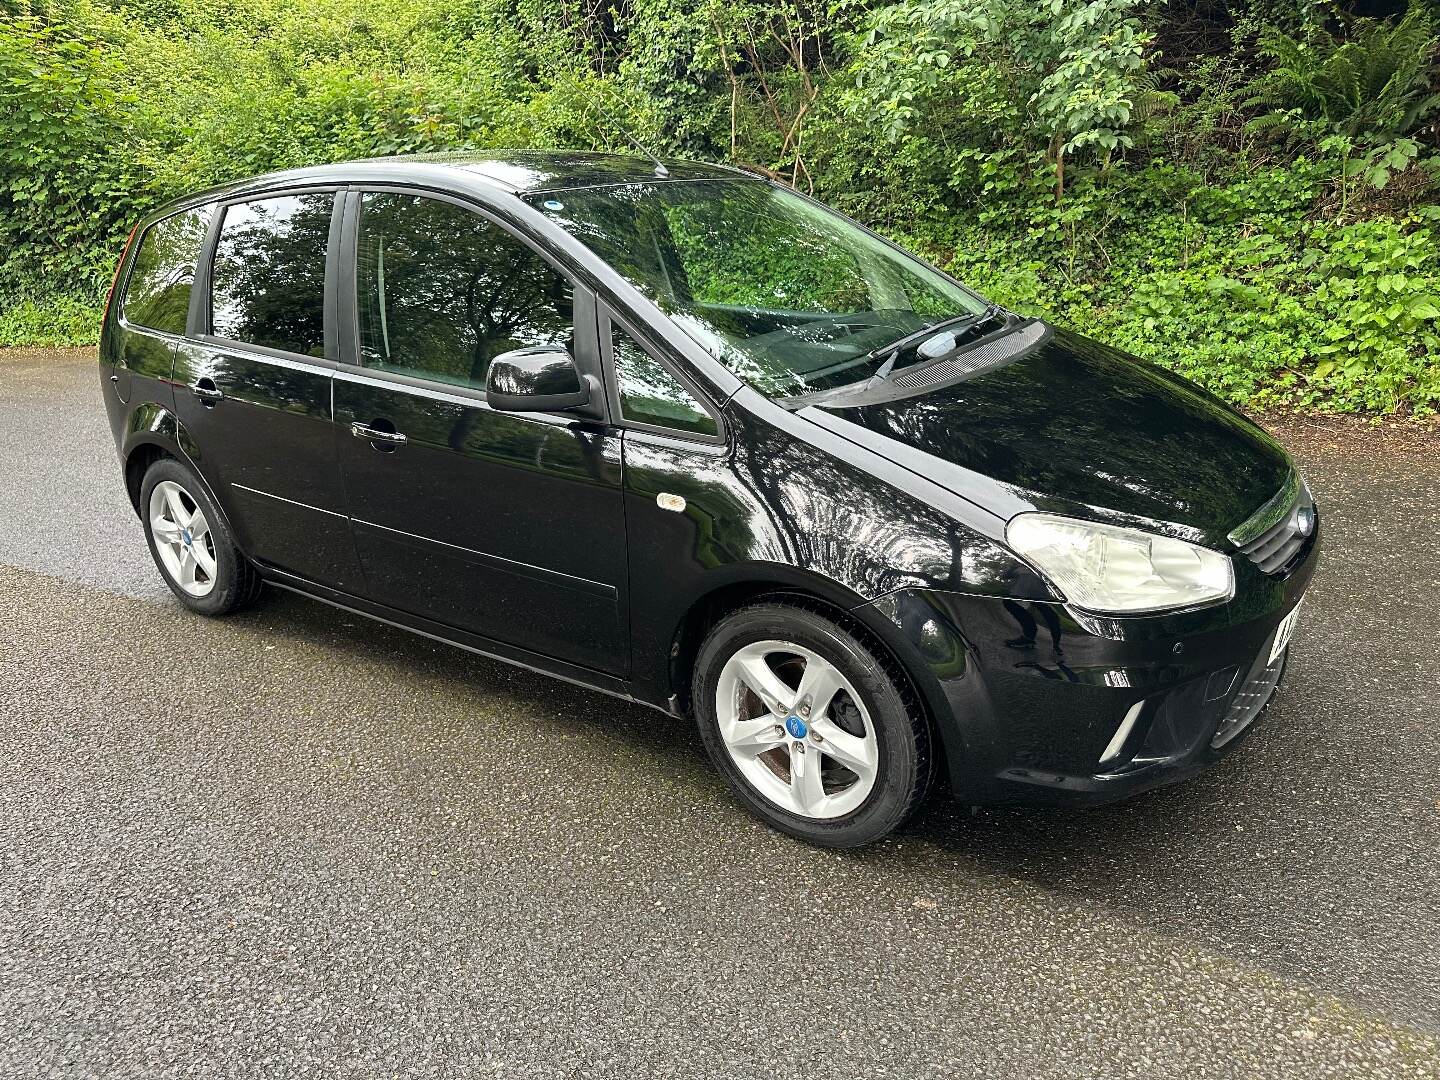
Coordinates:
[902,741]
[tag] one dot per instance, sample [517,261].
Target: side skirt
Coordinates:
[473,643]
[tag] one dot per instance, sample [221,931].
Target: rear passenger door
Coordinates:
[505,525]
[253,387]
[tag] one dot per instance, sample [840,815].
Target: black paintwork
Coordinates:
[506,525]
[1075,428]
[539,379]
[537,537]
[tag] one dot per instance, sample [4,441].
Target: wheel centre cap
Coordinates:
[186,537]
[795,726]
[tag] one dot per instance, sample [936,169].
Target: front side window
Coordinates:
[791,296]
[443,291]
[267,283]
[157,294]
[649,394]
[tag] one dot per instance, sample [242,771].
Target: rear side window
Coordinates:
[649,394]
[157,293]
[443,290]
[267,283]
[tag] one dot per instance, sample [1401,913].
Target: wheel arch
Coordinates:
[152,433]
[137,464]
[849,611]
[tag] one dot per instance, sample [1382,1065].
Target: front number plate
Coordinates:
[1282,635]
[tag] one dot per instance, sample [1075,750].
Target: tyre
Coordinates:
[818,735]
[191,542]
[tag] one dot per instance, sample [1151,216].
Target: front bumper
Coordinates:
[1037,703]
[1161,739]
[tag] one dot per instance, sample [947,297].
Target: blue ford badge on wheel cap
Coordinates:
[795,726]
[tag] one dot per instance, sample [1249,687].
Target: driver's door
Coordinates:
[504,525]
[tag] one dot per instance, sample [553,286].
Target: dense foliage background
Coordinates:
[1244,190]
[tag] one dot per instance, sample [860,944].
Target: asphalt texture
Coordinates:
[293,843]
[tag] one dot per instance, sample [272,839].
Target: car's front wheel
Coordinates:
[191,542]
[816,733]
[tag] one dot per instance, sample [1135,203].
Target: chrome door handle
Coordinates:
[365,431]
[208,393]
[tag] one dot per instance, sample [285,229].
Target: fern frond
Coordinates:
[1376,83]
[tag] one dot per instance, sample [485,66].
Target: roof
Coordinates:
[528,171]
[517,172]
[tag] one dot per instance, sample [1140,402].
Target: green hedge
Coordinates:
[1282,252]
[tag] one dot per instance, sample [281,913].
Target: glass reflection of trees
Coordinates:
[740,251]
[268,279]
[442,291]
[651,395]
[790,295]
[157,294]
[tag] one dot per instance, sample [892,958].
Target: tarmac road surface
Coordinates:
[293,843]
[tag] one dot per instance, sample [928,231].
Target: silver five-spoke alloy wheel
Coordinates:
[182,538]
[796,729]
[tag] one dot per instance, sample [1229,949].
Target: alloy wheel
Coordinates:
[796,729]
[182,538]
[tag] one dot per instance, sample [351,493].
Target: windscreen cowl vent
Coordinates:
[973,362]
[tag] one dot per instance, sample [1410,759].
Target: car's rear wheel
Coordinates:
[191,542]
[816,733]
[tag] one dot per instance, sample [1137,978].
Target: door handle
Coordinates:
[207,391]
[365,431]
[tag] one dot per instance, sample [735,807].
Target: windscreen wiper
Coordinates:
[884,370]
[985,318]
[958,325]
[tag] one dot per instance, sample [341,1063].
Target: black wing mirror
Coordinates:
[540,379]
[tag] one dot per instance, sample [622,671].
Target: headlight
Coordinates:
[1106,568]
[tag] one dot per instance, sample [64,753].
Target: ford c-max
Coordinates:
[685,436]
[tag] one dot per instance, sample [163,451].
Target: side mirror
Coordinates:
[539,379]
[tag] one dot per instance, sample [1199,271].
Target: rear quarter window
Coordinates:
[157,292]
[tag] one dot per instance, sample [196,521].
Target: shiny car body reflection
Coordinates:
[353,472]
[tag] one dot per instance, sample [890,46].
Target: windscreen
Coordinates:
[791,296]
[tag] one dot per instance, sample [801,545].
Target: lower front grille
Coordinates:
[1249,700]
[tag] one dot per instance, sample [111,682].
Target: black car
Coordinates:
[682,435]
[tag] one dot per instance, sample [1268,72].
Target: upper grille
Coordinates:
[1276,535]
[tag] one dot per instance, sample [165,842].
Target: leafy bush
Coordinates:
[57,320]
[1044,149]
[1310,314]
[64,192]
[1067,73]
